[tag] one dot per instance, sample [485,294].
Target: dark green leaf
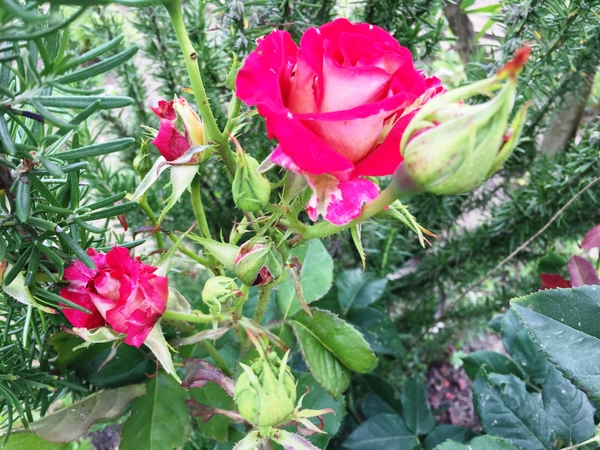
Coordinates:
[479,443]
[444,432]
[160,419]
[382,432]
[49,117]
[70,423]
[564,323]
[384,389]
[415,407]
[378,329]
[356,290]
[217,427]
[113,211]
[101,67]
[529,358]
[5,138]
[506,409]
[372,405]
[17,267]
[570,413]
[81,254]
[511,325]
[316,276]
[93,53]
[494,362]
[96,149]
[23,199]
[110,200]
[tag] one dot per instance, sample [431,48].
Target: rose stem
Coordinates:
[264,294]
[214,136]
[194,317]
[143,202]
[198,207]
[325,228]
[219,360]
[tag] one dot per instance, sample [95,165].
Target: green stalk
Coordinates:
[193,317]
[219,360]
[264,294]
[143,202]
[212,132]
[198,207]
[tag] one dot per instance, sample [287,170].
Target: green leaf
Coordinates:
[529,358]
[356,290]
[316,276]
[29,441]
[444,432]
[211,394]
[415,407]
[96,149]
[378,329]
[84,101]
[325,367]
[506,409]
[113,211]
[317,398]
[23,199]
[70,423]
[160,419]
[340,338]
[511,325]
[93,53]
[494,362]
[570,413]
[479,443]
[384,389]
[5,137]
[382,432]
[564,322]
[101,67]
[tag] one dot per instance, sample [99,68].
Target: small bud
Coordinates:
[191,122]
[217,291]
[265,392]
[450,147]
[233,71]
[251,190]
[258,263]
[142,163]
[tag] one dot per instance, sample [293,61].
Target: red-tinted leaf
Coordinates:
[591,239]
[200,372]
[199,410]
[582,272]
[554,281]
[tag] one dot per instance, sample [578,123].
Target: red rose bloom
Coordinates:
[338,105]
[122,292]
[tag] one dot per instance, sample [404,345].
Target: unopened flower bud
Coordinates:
[191,121]
[258,263]
[266,392]
[217,291]
[450,147]
[250,189]
[142,163]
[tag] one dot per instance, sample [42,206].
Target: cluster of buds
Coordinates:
[450,147]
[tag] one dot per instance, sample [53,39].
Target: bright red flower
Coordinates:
[338,105]
[122,292]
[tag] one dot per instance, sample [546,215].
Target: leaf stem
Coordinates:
[194,316]
[214,353]
[198,207]
[143,202]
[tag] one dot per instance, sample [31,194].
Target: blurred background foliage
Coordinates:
[459,42]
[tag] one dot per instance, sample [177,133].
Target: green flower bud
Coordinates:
[142,163]
[266,392]
[217,291]
[251,190]
[450,147]
[258,263]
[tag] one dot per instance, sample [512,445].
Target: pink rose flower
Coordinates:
[122,292]
[338,105]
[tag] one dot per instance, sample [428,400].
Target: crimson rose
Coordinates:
[122,292]
[338,105]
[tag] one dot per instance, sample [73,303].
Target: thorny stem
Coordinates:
[264,294]
[198,207]
[213,134]
[143,202]
[219,360]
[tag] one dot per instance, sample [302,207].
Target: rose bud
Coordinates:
[217,291]
[142,163]
[180,138]
[258,263]
[265,393]
[121,291]
[450,147]
[251,190]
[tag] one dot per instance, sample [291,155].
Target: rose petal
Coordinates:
[79,318]
[340,202]
[164,110]
[170,142]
